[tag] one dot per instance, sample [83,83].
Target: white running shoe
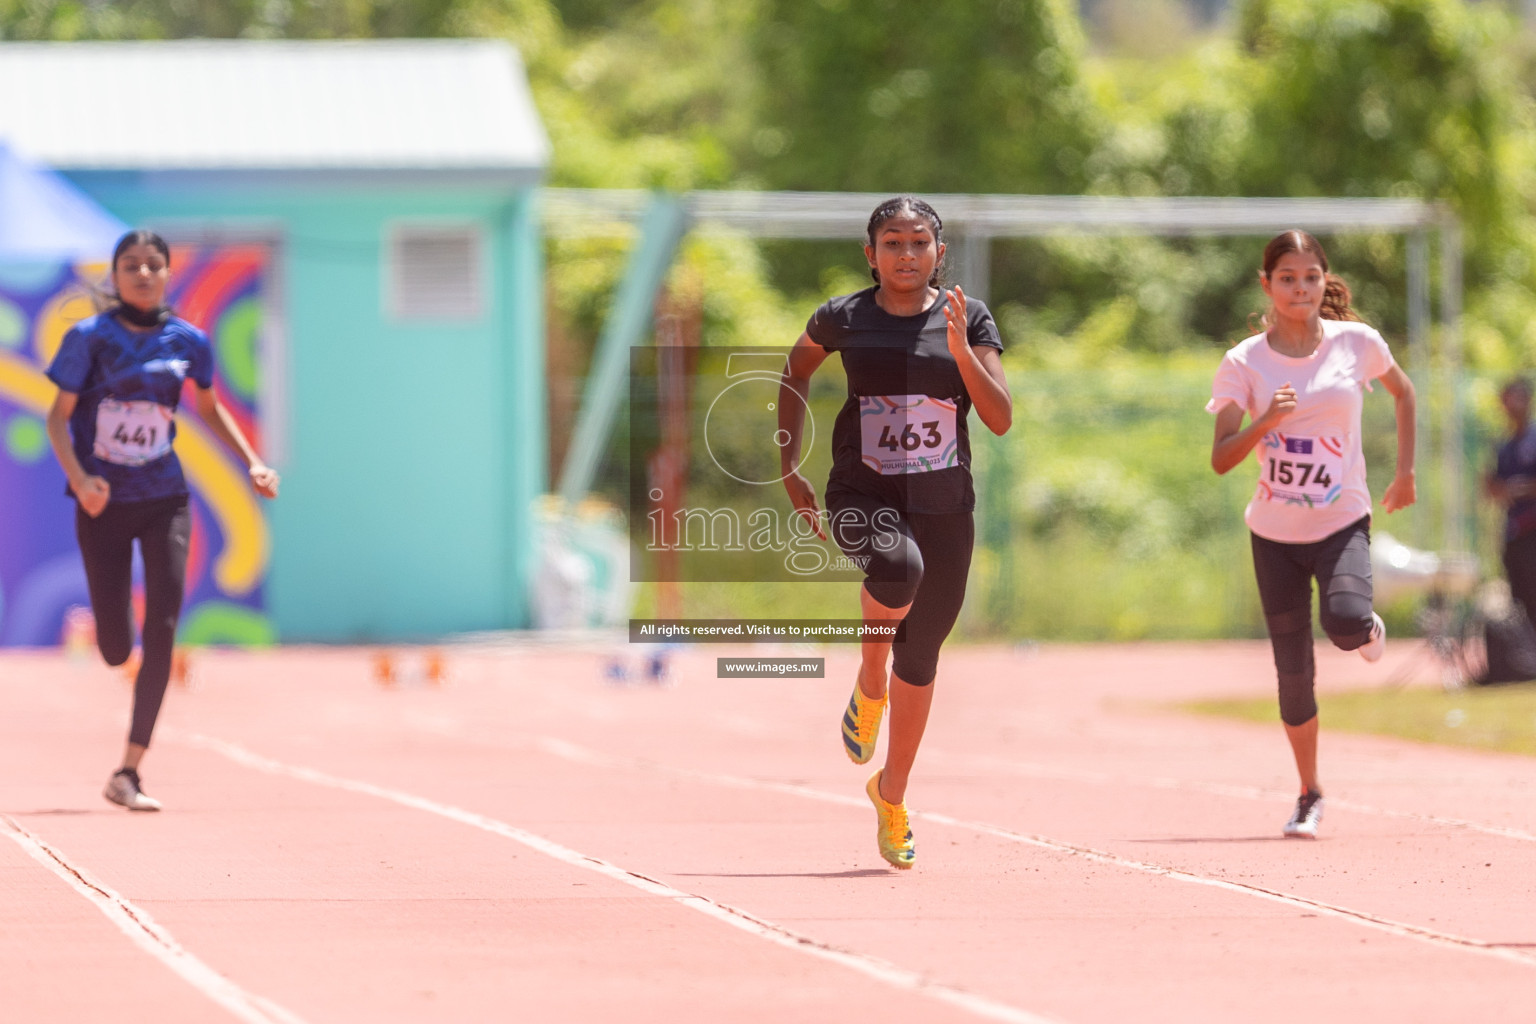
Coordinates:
[124,788]
[1304,819]
[1373,648]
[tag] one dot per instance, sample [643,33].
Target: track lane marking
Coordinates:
[1502,951]
[1031,769]
[870,966]
[1035,770]
[149,935]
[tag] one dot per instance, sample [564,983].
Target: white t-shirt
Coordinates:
[1311,470]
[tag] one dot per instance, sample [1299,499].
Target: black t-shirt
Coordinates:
[901,437]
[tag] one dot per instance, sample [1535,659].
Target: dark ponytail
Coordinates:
[915,206]
[1336,298]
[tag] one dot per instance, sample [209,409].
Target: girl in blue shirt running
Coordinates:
[120,375]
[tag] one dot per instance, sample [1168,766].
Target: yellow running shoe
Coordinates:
[893,831]
[861,725]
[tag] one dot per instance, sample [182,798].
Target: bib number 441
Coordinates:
[132,433]
[141,437]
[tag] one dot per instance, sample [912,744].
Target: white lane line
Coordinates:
[1037,770]
[149,936]
[873,967]
[1043,771]
[572,752]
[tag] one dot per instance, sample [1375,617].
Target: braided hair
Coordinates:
[896,206]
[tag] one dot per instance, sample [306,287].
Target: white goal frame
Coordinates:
[971,222]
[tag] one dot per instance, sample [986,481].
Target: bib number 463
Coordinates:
[910,439]
[901,434]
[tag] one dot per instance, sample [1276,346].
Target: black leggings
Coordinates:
[908,558]
[163,529]
[1342,564]
[1520,570]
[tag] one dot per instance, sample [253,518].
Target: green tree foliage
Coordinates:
[1350,97]
[1413,98]
[649,96]
[954,96]
[1381,97]
[258,19]
[1407,97]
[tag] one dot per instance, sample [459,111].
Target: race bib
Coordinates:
[132,433]
[1301,470]
[908,433]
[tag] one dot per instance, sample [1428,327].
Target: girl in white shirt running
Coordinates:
[1301,383]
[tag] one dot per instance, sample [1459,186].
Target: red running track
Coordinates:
[529,843]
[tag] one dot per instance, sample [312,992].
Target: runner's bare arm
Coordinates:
[1402,491]
[1494,486]
[1233,442]
[981,368]
[998,411]
[92,491]
[1506,490]
[794,399]
[263,477]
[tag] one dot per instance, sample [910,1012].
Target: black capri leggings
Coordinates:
[908,558]
[1520,570]
[1342,564]
[163,529]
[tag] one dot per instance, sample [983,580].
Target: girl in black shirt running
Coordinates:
[900,495]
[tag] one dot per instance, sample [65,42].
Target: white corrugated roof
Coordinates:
[451,104]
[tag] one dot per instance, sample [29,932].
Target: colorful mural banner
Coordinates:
[221,290]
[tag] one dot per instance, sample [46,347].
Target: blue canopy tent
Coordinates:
[45,219]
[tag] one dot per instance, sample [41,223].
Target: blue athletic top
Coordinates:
[138,376]
[1517,457]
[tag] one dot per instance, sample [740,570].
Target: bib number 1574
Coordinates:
[1301,470]
[1287,472]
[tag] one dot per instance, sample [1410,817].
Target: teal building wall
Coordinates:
[414,450]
